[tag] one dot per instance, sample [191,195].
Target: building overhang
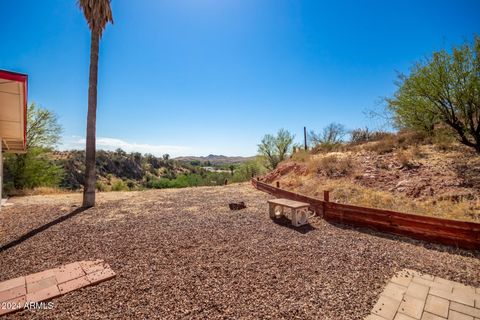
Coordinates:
[13,111]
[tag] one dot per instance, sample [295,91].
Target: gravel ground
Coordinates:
[182,254]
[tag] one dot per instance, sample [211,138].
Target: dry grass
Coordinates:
[40,191]
[344,191]
[406,158]
[391,142]
[332,165]
[383,146]
[301,156]
[400,172]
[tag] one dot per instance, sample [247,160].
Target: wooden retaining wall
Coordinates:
[449,232]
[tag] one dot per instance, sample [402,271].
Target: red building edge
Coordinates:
[19,77]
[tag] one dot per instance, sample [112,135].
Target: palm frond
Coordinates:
[97,13]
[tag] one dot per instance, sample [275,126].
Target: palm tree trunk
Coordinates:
[90,175]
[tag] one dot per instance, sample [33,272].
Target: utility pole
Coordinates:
[305,137]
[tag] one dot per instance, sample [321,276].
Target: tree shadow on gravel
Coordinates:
[419,243]
[284,222]
[469,175]
[42,228]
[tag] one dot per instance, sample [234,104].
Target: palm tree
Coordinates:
[98,14]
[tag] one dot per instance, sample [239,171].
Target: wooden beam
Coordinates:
[446,231]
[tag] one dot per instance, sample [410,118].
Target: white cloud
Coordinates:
[105,143]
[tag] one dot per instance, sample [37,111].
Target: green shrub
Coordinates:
[119,185]
[31,170]
[131,184]
[248,170]
[157,183]
[100,186]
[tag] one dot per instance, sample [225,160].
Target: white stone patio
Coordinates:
[413,295]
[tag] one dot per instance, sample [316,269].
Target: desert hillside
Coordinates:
[121,171]
[421,178]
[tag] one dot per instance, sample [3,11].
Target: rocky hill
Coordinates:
[418,178]
[118,170]
[114,166]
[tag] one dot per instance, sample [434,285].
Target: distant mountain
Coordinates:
[215,159]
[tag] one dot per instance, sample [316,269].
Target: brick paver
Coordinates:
[41,284]
[34,277]
[48,284]
[69,272]
[13,293]
[413,295]
[12,283]
[73,284]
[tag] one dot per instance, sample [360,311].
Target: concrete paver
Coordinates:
[412,307]
[454,315]
[474,312]
[418,291]
[386,307]
[430,316]
[426,297]
[437,306]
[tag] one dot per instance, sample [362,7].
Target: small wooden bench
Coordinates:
[298,213]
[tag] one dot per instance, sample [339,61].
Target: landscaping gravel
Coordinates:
[182,254]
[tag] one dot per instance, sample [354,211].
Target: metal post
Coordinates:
[305,137]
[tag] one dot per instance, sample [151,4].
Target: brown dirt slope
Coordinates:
[418,174]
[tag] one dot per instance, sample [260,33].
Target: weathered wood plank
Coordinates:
[417,217]
[450,232]
[289,203]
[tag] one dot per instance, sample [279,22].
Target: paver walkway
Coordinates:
[17,293]
[413,295]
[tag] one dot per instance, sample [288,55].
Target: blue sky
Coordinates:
[213,76]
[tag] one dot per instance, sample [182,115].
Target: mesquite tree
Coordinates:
[275,149]
[443,90]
